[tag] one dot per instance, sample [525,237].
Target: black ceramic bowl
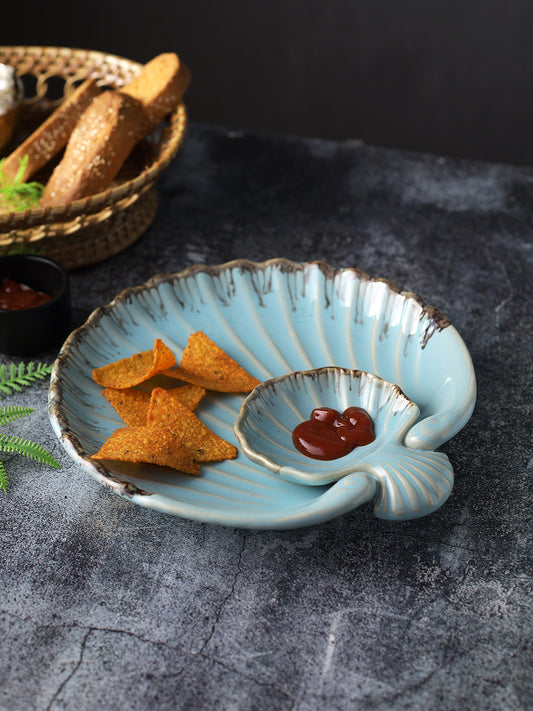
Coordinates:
[39,328]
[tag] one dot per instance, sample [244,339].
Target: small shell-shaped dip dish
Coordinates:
[404,482]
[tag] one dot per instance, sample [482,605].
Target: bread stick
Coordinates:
[53,134]
[159,87]
[101,141]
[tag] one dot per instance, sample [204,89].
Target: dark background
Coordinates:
[452,77]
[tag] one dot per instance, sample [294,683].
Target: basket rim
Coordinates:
[170,144]
[54,49]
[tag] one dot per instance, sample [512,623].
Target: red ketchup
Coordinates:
[15,296]
[330,435]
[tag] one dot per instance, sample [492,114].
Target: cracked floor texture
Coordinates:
[106,605]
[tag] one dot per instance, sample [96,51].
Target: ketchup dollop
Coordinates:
[15,296]
[330,435]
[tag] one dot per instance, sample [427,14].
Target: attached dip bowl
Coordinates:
[405,482]
[39,328]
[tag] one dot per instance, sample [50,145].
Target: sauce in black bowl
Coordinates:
[31,323]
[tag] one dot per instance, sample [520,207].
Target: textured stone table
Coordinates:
[106,605]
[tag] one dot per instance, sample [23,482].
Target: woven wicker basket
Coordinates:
[90,230]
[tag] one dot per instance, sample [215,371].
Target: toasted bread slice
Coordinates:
[100,143]
[52,135]
[159,87]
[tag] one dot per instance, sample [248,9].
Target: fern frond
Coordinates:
[13,412]
[32,450]
[3,477]
[17,377]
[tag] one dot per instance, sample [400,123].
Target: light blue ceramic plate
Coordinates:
[273,318]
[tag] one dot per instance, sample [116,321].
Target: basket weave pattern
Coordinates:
[89,230]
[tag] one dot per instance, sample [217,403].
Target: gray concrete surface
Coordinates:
[105,605]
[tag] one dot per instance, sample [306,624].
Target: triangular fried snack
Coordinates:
[148,445]
[188,395]
[127,372]
[167,412]
[206,364]
[132,405]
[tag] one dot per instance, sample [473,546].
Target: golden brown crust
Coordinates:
[100,143]
[52,135]
[159,87]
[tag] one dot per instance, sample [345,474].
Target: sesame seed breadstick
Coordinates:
[100,143]
[159,87]
[52,135]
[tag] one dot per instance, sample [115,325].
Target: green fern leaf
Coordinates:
[3,477]
[42,370]
[12,413]
[7,388]
[32,450]
[18,377]
[13,379]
